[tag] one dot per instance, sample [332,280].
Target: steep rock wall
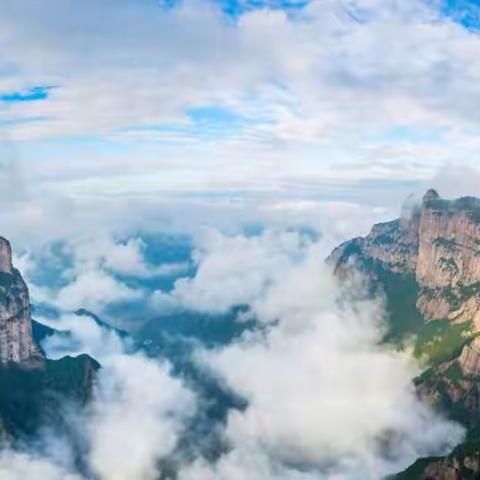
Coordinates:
[16,340]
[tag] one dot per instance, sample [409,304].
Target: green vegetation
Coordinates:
[467,291]
[470,205]
[415,471]
[454,373]
[471,446]
[400,291]
[384,239]
[445,243]
[448,264]
[6,280]
[440,340]
[350,249]
[432,342]
[439,204]
[41,331]
[30,398]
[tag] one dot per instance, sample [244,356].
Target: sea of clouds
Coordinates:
[323,398]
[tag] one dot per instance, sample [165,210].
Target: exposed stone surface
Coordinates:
[5,256]
[389,243]
[430,259]
[462,467]
[437,241]
[449,247]
[16,340]
[33,389]
[469,359]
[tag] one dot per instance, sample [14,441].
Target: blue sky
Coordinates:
[214,97]
[466,12]
[30,95]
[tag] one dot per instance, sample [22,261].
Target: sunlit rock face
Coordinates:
[5,256]
[438,242]
[449,250]
[428,264]
[16,340]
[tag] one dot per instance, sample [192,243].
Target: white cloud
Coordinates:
[453,181]
[236,270]
[322,392]
[18,466]
[93,280]
[323,96]
[137,418]
[139,409]
[94,290]
[85,336]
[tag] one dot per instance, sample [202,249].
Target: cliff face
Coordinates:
[437,242]
[449,247]
[32,388]
[428,265]
[16,340]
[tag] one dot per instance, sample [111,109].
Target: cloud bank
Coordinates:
[324,398]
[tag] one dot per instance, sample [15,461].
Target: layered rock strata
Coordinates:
[16,339]
[437,242]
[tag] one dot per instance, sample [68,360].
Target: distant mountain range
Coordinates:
[427,266]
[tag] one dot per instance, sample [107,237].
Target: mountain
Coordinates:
[438,242]
[32,387]
[426,264]
[16,339]
[83,312]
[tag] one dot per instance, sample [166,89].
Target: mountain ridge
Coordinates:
[427,266]
[16,339]
[32,387]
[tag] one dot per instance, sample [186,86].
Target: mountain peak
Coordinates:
[5,256]
[437,244]
[431,194]
[16,339]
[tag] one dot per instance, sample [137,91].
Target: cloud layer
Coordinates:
[323,396]
[174,94]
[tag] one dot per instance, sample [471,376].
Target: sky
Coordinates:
[358,101]
[159,156]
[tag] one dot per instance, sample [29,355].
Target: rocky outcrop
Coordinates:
[427,264]
[16,340]
[33,389]
[449,243]
[469,359]
[5,256]
[436,241]
[389,243]
[33,398]
[453,467]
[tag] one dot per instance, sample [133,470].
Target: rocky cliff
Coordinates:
[427,266]
[33,389]
[438,243]
[16,339]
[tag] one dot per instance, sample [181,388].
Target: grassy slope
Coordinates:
[433,342]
